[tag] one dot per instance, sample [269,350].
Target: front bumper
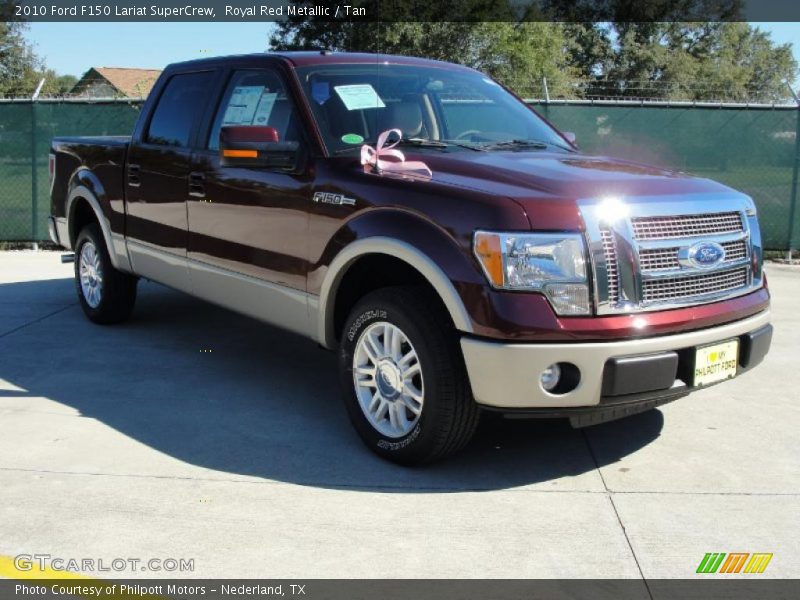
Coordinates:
[505,377]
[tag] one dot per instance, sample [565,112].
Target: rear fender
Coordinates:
[85,186]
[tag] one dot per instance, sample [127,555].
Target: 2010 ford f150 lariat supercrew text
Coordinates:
[457,251]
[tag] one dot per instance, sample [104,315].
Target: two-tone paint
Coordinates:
[257,242]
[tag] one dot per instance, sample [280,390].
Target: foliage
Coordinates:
[699,61]
[21,70]
[17,61]
[517,54]
[586,53]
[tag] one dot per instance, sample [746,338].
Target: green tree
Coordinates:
[17,60]
[700,61]
[596,50]
[21,70]
[517,54]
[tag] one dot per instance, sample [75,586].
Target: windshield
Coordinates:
[354,103]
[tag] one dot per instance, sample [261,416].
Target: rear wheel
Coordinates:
[106,295]
[403,377]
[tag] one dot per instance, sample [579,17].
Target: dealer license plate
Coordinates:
[716,363]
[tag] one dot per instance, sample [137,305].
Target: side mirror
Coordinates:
[569,136]
[256,146]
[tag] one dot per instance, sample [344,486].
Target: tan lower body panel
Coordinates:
[507,375]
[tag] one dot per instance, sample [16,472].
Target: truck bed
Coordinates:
[94,162]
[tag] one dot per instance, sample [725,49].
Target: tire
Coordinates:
[106,295]
[411,411]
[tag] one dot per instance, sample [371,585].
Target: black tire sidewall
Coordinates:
[92,234]
[415,446]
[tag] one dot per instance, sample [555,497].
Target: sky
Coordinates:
[72,48]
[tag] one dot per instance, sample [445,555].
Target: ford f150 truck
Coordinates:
[457,251]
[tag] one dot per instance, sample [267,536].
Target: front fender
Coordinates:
[429,249]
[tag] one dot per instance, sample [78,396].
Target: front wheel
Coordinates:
[106,295]
[403,378]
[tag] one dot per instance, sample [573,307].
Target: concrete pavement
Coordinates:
[191,432]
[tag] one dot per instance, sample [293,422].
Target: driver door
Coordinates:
[248,226]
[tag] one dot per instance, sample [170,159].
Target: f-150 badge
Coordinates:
[331,198]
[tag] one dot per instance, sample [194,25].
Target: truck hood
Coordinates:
[565,176]
[548,185]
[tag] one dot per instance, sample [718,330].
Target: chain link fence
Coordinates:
[751,148]
[26,129]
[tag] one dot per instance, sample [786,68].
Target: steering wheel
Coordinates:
[464,134]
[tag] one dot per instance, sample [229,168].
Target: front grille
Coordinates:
[642,260]
[681,226]
[674,288]
[659,259]
[735,250]
[666,259]
[610,252]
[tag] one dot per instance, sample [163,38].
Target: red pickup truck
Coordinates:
[457,251]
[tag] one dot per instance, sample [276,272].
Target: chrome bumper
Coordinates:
[507,375]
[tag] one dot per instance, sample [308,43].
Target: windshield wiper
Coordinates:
[421,143]
[429,143]
[514,144]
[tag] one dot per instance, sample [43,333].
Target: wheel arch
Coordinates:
[82,202]
[395,249]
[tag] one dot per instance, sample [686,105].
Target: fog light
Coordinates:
[569,298]
[550,376]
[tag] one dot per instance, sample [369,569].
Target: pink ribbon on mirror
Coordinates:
[375,156]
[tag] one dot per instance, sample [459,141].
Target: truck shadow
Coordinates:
[222,392]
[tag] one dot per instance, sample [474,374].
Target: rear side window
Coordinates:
[178,109]
[256,97]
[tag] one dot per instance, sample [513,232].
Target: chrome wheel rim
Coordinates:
[91,274]
[388,379]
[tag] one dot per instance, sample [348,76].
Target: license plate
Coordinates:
[716,363]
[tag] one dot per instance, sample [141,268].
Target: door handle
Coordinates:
[133,175]
[197,185]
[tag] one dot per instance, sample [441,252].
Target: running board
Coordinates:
[69,257]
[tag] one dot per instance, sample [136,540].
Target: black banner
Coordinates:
[401,10]
[734,588]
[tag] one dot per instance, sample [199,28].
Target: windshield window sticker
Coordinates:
[264,110]
[352,138]
[242,105]
[359,96]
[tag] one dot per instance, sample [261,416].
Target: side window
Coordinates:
[256,97]
[178,108]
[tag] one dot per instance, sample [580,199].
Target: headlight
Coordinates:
[552,263]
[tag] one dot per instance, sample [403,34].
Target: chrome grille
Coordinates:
[666,259]
[664,228]
[610,252]
[672,288]
[659,259]
[735,250]
[643,251]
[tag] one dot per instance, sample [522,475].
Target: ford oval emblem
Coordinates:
[706,254]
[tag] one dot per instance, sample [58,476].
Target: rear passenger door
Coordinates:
[157,179]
